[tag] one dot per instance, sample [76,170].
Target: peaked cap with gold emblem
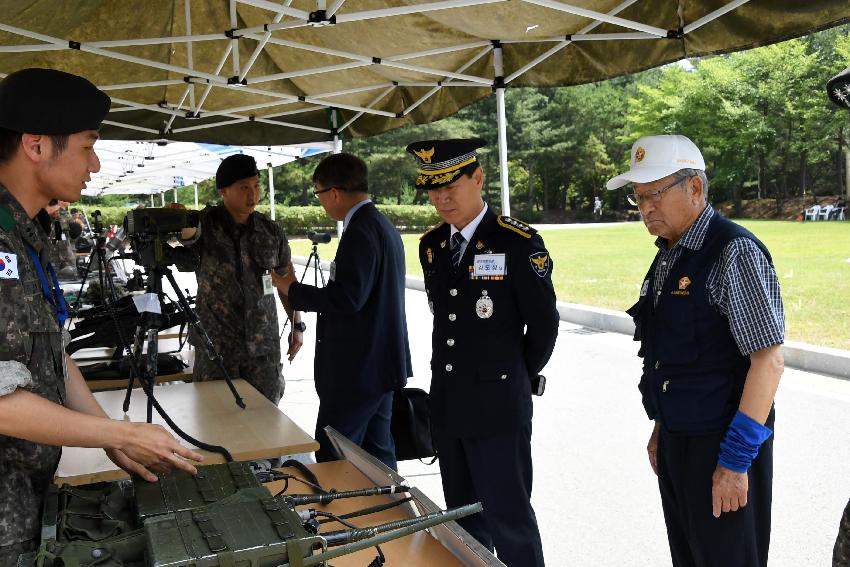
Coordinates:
[441,161]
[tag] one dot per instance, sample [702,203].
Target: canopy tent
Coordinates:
[293,71]
[143,168]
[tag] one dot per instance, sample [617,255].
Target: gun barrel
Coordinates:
[383,533]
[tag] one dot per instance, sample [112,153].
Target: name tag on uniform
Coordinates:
[8,266]
[489,265]
[268,286]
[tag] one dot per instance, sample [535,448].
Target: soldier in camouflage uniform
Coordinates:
[36,377]
[238,247]
[61,252]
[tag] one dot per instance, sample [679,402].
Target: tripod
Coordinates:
[317,267]
[148,329]
[318,274]
[98,255]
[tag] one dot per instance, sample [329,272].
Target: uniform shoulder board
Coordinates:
[430,230]
[7,221]
[517,226]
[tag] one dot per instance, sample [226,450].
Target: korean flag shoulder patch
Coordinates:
[540,263]
[8,266]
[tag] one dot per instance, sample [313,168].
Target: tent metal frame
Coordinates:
[282,17]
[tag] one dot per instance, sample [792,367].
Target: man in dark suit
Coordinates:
[362,353]
[489,286]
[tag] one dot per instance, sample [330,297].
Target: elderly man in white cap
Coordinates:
[711,324]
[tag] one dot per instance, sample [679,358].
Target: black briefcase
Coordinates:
[411,425]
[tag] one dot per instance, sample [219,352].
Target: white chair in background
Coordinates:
[811,213]
[823,214]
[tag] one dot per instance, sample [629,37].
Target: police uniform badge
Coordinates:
[540,263]
[479,245]
[484,306]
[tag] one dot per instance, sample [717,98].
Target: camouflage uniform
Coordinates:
[31,357]
[841,551]
[61,252]
[238,317]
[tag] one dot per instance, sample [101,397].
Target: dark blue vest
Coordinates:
[693,372]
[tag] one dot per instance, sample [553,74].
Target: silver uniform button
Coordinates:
[450,342]
[448,367]
[453,292]
[452,316]
[504,377]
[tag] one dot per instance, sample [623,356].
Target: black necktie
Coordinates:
[457,248]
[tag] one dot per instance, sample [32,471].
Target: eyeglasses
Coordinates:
[317,193]
[652,196]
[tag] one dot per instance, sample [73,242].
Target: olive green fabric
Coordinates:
[755,23]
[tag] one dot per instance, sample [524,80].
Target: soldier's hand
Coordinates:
[282,283]
[296,339]
[153,449]
[728,490]
[652,448]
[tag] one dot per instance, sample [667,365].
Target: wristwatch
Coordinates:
[300,326]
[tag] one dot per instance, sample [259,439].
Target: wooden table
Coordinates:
[419,549]
[207,412]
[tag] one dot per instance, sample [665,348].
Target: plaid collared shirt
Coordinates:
[742,286]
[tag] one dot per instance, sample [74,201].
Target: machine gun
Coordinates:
[222,516]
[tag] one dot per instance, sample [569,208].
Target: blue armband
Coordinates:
[743,440]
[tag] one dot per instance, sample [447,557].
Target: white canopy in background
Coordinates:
[150,167]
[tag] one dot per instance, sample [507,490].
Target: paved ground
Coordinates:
[594,493]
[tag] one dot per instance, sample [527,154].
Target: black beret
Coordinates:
[233,168]
[46,101]
[441,161]
[838,88]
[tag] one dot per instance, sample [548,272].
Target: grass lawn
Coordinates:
[604,266]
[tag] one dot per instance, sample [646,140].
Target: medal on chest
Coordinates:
[484,306]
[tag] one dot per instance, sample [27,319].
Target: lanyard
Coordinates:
[46,290]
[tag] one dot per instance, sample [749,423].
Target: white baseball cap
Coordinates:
[656,157]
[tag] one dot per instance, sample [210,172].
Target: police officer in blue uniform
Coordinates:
[488,280]
[711,325]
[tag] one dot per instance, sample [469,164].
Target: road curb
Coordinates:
[803,356]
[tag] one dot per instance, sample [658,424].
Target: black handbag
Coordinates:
[411,425]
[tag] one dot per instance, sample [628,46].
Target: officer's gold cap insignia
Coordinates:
[441,162]
[684,283]
[540,263]
[640,153]
[424,155]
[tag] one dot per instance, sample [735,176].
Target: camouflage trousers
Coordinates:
[9,553]
[263,373]
[841,552]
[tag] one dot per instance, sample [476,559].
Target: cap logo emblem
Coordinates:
[424,155]
[640,153]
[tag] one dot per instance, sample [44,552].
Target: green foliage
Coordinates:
[761,118]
